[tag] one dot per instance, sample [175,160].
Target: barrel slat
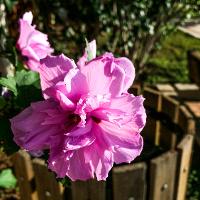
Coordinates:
[184,157]
[170,108]
[88,190]
[162,176]
[25,175]
[46,184]
[129,182]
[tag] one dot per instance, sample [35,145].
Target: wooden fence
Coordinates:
[159,174]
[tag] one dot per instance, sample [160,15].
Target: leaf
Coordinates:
[24,77]
[10,83]
[7,179]
[10,4]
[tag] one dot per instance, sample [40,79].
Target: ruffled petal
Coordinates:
[126,144]
[129,71]
[53,69]
[105,76]
[70,163]
[76,84]
[29,127]
[122,110]
[99,155]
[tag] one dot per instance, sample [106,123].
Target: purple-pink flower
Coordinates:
[32,43]
[88,120]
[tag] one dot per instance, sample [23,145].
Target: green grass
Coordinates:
[169,62]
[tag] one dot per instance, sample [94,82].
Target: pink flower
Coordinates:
[88,121]
[32,43]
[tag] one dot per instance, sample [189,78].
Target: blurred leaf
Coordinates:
[10,83]
[24,77]
[10,4]
[7,179]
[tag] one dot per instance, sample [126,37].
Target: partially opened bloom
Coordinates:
[88,121]
[32,43]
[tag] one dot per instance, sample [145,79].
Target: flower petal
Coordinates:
[28,130]
[126,144]
[129,71]
[53,69]
[76,84]
[69,163]
[104,76]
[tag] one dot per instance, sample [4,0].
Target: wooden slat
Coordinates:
[184,157]
[129,182]
[187,91]
[153,99]
[151,128]
[170,107]
[162,176]
[24,173]
[47,186]
[163,87]
[88,190]
[186,121]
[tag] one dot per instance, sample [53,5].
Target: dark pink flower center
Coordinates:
[74,119]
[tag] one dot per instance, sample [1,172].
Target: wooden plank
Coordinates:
[170,107]
[47,186]
[183,164]
[194,107]
[24,173]
[129,182]
[161,182]
[152,128]
[187,91]
[163,87]
[186,121]
[88,190]
[153,98]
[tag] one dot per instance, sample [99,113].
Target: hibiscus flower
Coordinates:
[32,43]
[88,120]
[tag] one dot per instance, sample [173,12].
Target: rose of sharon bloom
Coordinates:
[32,43]
[88,121]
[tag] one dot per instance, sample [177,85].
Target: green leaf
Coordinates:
[10,83]
[7,179]
[10,4]
[24,77]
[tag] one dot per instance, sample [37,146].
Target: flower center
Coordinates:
[74,119]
